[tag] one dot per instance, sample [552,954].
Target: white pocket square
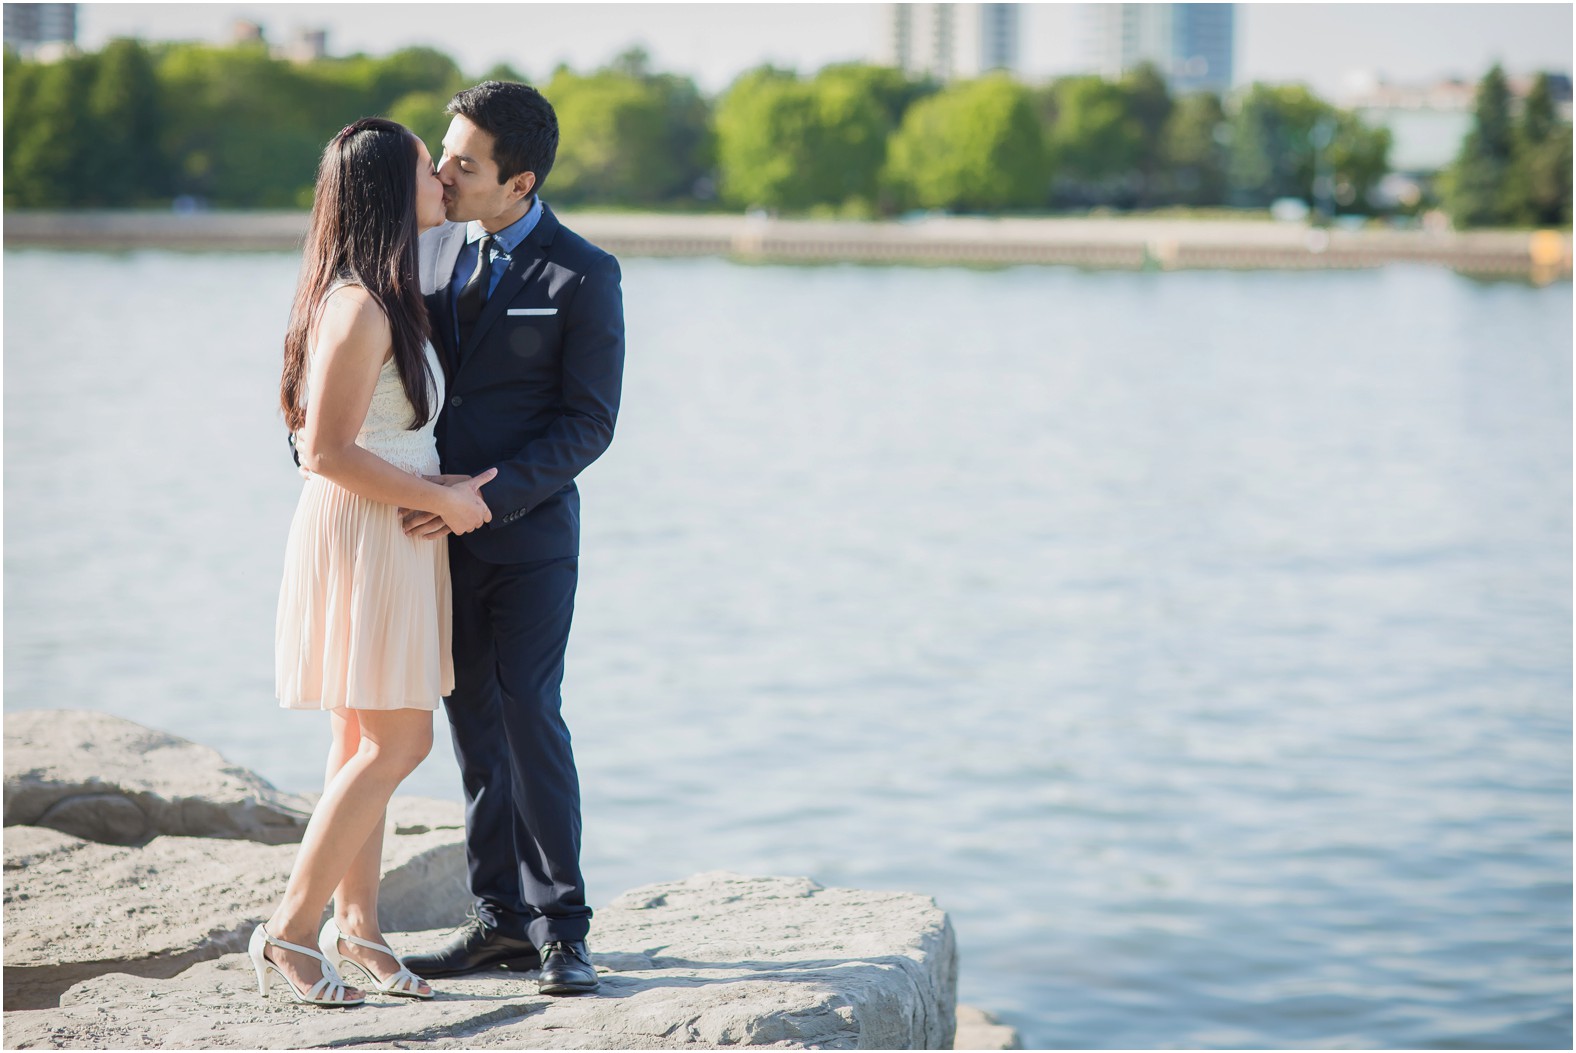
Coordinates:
[516,312]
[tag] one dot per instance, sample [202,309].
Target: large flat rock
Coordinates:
[718,959]
[977,1029]
[104,778]
[75,908]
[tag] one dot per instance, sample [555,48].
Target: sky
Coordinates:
[1319,44]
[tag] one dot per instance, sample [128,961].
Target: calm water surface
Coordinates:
[1200,641]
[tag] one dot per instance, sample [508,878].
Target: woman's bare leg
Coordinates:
[347,827]
[356,896]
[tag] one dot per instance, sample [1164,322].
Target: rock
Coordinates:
[424,877]
[715,960]
[107,779]
[75,908]
[977,1029]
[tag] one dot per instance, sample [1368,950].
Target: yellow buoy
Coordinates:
[1547,248]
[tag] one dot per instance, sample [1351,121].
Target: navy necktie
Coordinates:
[473,297]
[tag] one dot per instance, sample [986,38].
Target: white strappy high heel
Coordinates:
[329,991]
[404,983]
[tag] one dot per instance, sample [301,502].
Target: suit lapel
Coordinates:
[528,258]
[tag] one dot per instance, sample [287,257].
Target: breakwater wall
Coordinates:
[1115,242]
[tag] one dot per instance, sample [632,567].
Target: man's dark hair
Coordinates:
[520,120]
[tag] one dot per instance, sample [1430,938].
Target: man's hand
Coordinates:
[428,526]
[423,526]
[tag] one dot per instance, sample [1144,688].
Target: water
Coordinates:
[1200,641]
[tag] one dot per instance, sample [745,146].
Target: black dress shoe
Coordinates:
[566,968]
[475,946]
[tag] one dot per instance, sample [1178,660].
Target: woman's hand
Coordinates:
[464,509]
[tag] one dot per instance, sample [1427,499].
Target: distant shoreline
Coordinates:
[1128,243]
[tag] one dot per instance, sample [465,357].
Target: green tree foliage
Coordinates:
[763,134]
[1476,188]
[1276,148]
[627,136]
[1194,152]
[1094,140]
[1548,180]
[1272,150]
[1359,156]
[244,129]
[411,70]
[976,145]
[422,112]
[137,124]
[1538,118]
[1538,189]
[123,105]
[852,126]
[504,71]
[1150,104]
[49,156]
[788,143]
[892,89]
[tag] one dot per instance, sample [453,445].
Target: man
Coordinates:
[529,319]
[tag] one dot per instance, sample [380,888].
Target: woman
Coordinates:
[363,620]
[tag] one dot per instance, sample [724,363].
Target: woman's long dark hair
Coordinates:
[363,231]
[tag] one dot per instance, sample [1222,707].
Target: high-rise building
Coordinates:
[35,30]
[949,41]
[1190,44]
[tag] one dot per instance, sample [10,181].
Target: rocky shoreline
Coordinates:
[1130,243]
[136,864]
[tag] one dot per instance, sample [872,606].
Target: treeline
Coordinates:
[1512,171]
[139,124]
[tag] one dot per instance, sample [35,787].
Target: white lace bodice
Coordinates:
[386,430]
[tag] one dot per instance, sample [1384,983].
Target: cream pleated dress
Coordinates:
[364,610]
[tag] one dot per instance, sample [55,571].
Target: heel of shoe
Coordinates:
[254,950]
[328,943]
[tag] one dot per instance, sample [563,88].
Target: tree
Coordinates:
[1094,140]
[850,145]
[627,137]
[792,144]
[412,69]
[505,72]
[976,145]
[21,82]
[123,105]
[859,108]
[1538,118]
[246,130]
[1476,184]
[1538,186]
[49,154]
[891,89]
[1273,154]
[1194,151]
[1359,156]
[422,112]
[1150,105]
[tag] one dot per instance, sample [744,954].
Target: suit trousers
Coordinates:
[522,794]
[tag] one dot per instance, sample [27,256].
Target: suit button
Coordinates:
[456,400]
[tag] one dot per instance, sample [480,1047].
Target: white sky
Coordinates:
[1316,43]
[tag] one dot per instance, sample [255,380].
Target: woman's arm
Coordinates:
[353,339]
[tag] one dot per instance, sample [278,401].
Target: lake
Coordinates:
[1201,641]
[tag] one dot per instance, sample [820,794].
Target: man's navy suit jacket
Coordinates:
[535,390]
